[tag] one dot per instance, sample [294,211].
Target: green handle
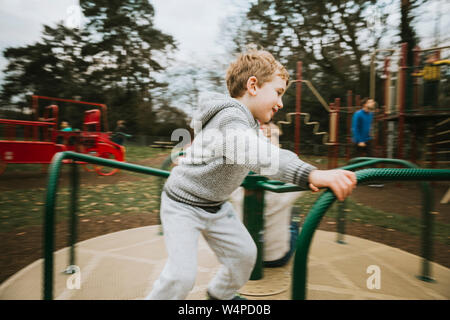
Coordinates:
[49,216]
[326,200]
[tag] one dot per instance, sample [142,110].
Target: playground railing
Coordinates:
[253,207]
[427,210]
[49,217]
[325,201]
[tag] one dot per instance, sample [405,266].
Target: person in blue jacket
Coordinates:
[361,126]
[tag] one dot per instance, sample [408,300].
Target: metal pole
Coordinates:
[254,220]
[416,51]
[372,70]
[349,116]
[49,224]
[337,104]
[427,232]
[332,137]
[298,102]
[341,221]
[402,93]
[387,89]
[73,216]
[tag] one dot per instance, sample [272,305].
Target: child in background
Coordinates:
[65,126]
[280,217]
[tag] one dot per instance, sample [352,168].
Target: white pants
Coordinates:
[225,234]
[277,220]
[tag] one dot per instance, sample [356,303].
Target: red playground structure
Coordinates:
[37,142]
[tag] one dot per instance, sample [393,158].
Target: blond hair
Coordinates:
[258,63]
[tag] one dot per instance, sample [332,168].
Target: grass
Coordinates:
[139,153]
[23,208]
[20,209]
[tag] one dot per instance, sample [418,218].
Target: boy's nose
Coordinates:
[280,104]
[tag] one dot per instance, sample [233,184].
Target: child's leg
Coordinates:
[234,248]
[181,230]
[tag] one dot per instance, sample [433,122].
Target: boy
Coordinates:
[194,199]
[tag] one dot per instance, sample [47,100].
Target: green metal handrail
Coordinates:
[281,187]
[49,217]
[324,202]
[255,186]
[427,208]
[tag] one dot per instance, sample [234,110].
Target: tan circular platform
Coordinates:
[275,281]
[124,265]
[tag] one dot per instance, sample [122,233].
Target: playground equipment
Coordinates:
[254,206]
[397,117]
[41,139]
[439,143]
[404,104]
[329,138]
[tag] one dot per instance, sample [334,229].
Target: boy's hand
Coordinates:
[341,182]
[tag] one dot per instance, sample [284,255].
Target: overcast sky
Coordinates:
[193,23]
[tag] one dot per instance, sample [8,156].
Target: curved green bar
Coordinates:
[427,204]
[52,186]
[326,200]
[427,207]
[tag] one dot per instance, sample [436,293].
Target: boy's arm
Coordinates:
[243,145]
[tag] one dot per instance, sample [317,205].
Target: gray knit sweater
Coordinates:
[227,147]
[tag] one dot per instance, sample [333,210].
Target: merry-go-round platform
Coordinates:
[123,266]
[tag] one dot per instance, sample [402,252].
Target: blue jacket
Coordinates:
[361,123]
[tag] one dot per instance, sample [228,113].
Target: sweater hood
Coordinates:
[212,103]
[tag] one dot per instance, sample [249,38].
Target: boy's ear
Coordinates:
[251,85]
